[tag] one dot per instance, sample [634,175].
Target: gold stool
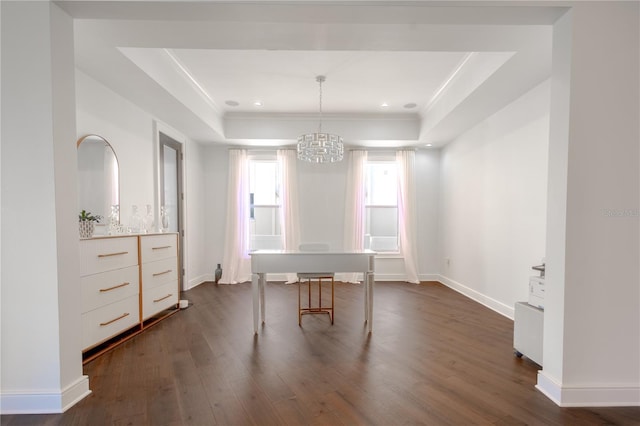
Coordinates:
[317,309]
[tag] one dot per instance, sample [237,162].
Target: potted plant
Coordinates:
[87,223]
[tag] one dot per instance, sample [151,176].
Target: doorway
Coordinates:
[172,193]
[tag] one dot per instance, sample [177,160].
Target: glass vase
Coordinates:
[164,217]
[135,224]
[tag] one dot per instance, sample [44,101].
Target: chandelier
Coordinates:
[320,147]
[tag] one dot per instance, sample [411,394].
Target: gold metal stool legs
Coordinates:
[317,309]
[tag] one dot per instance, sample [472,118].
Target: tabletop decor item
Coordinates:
[218,273]
[87,223]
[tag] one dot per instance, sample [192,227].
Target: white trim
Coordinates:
[194,282]
[306,116]
[74,392]
[403,277]
[161,127]
[499,307]
[594,396]
[446,83]
[44,402]
[389,255]
[429,277]
[189,77]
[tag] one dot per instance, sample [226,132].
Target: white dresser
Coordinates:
[159,266]
[126,283]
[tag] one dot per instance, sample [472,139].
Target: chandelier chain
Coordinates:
[320,79]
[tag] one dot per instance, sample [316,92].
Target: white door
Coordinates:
[171,191]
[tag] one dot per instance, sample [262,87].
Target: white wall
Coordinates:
[321,195]
[493,193]
[216,169]
[41,364]
[197,264]
[592,320]
[322,189]
[131,132]
[427,168]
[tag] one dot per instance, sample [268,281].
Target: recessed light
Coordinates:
[410,105]
[429,145]
[232,103]
[257,103]
[384,105]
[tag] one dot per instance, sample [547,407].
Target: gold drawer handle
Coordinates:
[163,272]
[160,248]
[114,320]
[162,298]
[102,290]
[113,254]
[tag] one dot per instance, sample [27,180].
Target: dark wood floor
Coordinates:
[434,358]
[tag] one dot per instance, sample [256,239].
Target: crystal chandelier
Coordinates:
[320,147]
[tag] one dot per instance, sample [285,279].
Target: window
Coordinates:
[381,206]
[264,205]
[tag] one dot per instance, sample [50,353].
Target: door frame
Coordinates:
[178,143]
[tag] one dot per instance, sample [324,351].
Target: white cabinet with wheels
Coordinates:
[527,331]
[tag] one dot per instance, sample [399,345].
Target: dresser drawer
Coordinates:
[158,247]
[103,323]
[159,298]
[105,254]
[109,287]
[157,273]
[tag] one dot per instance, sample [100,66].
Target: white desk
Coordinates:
[280,261]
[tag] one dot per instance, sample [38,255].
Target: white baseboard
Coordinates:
[429,277]
[403,277]
[609,396]
[34,402]
[194,282]
[499,307]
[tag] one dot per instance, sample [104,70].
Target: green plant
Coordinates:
[86,216]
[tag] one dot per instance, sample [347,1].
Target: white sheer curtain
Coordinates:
[354,207]
[236,263]
[407,213]
[289,217]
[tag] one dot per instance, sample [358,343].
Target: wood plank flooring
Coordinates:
[434,358]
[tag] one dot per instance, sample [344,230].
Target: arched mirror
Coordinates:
[98,178]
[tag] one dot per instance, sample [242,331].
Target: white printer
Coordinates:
[536,288]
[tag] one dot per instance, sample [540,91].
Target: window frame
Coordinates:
[389,159]
[263,157]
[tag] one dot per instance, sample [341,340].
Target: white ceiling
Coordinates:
[182,61]
[357,81]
